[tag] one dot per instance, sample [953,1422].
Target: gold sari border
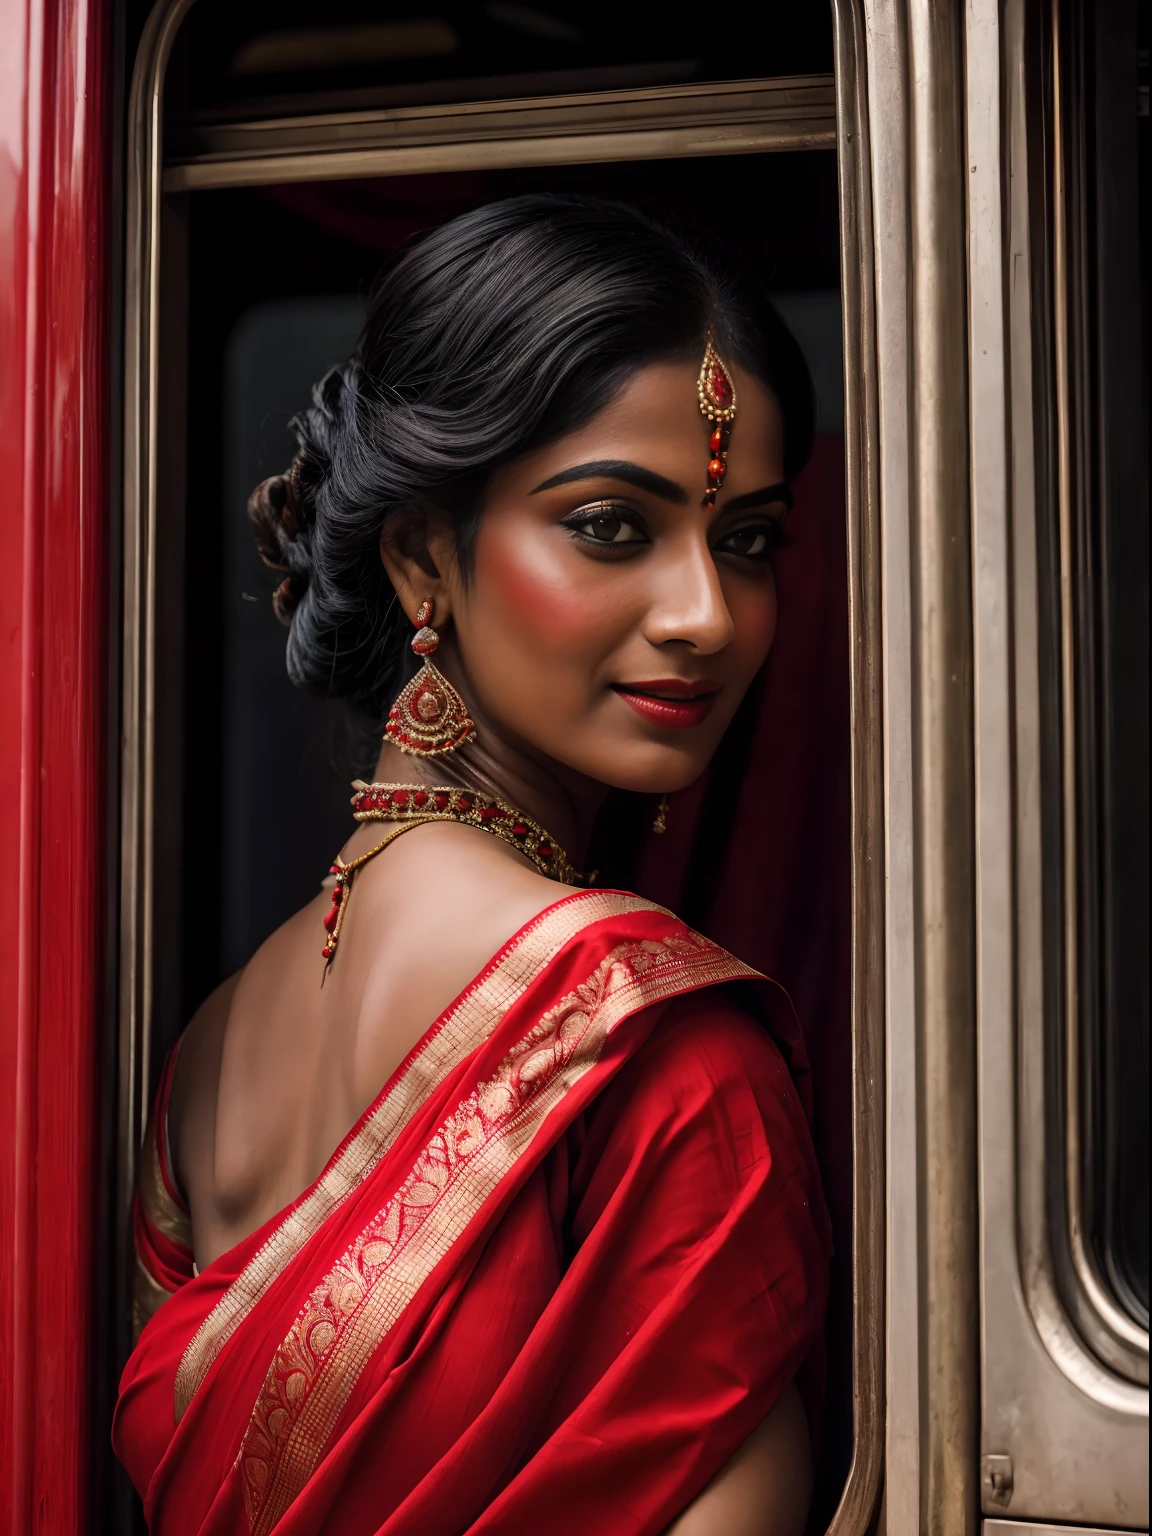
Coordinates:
[467,1024]
[148,1296]
[350,1313]
[169,1217]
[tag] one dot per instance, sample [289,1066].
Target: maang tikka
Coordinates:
[717,395]
[429,718]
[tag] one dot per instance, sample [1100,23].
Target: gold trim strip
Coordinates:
[500,154]
[783,99]
[467,1025]
[148,1296]
[741,117]
[860,1496]
[169,1218]
[137,670]
[368,1289]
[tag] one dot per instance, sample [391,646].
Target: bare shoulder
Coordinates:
[283,1058]
[192,1105]
[234,1028]
[443,902]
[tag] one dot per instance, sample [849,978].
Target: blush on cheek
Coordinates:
[754,625]
[533,596]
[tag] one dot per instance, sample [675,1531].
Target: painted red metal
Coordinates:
[54,170]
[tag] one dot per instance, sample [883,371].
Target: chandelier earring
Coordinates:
[429,718]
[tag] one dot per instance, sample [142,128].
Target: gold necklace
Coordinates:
[410,805]
[445,802]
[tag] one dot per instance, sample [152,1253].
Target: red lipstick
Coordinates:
[671,702]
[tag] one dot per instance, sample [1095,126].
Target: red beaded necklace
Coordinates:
[410,805]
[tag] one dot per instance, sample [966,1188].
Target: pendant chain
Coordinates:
[411,805]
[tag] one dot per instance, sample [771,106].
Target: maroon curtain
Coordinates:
[758,856]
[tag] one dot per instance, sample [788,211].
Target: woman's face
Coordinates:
[611,621]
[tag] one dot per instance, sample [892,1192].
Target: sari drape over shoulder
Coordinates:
[553,1277]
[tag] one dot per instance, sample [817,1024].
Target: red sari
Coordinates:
[554,1276]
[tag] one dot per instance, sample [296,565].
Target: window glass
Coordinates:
[262,58]
[1097,698]
[1119,670]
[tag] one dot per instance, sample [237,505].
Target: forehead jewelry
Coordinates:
[717,395]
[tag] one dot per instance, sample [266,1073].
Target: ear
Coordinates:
[420,558]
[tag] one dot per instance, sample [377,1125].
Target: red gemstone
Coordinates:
[441,802]
[334,869]
[716,441]
[717,469]
[544,851]
[337,895]
[425,641]
[519,830]
[464,803]
[419,798]
[400,798]
[326,952]
[719,386]
[330,920]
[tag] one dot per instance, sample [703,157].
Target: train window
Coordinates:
[257,757]
[1113,672]
[1095,639]
[1064,1085]
[295,158]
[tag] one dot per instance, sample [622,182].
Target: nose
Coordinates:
[688,605]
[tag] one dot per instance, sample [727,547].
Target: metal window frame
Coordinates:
[1064,1437]
[744,117]
[650,123]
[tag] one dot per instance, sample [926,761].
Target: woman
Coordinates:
[568,1268]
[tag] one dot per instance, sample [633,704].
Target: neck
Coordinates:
[565,803]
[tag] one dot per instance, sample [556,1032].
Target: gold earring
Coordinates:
[429,718]
[661,822]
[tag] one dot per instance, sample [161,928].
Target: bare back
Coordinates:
[276,1068]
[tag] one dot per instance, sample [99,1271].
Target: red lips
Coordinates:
[671,702]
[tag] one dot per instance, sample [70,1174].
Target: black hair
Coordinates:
[490,336]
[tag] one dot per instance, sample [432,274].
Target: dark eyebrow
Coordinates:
[780,492]
[617,469]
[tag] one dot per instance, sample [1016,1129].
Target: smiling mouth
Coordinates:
[669,702]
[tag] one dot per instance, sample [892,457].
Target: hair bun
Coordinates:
[273,513]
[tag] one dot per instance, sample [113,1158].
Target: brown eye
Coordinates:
[609,530]
[747,541]
[754,542]
[606,525]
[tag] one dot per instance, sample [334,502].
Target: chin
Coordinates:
[652,769]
